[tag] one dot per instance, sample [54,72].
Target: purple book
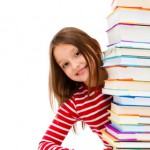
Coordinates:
[127,136]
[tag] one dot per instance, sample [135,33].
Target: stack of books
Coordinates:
[127,61]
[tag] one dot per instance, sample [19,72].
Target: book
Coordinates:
[126,61]
[132,100]
[128,119]
[124,144]
[126,51]
[125,92]
[130,3]
[131,149]
[127,85]
[128,72]
[128,32]
[130,44]
[128,15]
[136,136]
[130,110]
[131,128]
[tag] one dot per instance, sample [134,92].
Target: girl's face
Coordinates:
[72,62]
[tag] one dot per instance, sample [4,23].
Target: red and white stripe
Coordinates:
[91,110]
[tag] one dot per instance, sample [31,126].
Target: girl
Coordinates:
[76,81]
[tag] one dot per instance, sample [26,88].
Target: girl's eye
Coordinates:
[77,53]
[65,65]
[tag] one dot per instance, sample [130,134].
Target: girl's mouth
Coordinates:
[80,72]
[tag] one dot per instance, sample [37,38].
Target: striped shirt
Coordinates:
[92,110]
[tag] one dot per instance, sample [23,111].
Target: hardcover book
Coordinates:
[126,51]
[128,72]
[129,15]
[132,100]
[130,44]
[127,85]
[130,110]
[128,32]
[128,119]
[131,128]
[124,144]
[136,136]
[126,61]
[131,3]
[125,92]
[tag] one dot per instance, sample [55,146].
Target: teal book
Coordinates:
[126,61]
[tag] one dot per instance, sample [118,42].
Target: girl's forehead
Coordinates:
[63,51]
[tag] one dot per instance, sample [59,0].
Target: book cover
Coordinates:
[128,15]
[136,136]
[131,128]
[131,148]
[126,51]
[126,61]
[127,85]
[128,72]
[132,100]
[124,144]
[130,110]
[128,119]
[131,3]
[130,44]
[125,92]
[128,32]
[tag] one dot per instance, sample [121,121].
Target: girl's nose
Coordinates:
[75,65]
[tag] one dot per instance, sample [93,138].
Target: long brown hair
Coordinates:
[60,86]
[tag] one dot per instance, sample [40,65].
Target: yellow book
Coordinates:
[128,119]
[131,3]
[124,144]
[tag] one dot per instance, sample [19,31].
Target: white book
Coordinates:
[128,119]
[128,32]
[132,145]
[125,92]
[132,100]
[128,72]
[130,3]
[126,61]
[132,128]
[128,15]
[127,135]
[126,51]
[127,85]
[130,44]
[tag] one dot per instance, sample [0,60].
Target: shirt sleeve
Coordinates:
[59,128]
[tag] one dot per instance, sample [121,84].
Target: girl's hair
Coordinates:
[61,87]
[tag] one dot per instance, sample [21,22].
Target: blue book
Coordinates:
[132,100]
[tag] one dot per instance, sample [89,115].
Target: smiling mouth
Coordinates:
[81,71]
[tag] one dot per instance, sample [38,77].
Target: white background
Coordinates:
[26,28]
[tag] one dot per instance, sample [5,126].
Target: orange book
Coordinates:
[128,73]
[127,85]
